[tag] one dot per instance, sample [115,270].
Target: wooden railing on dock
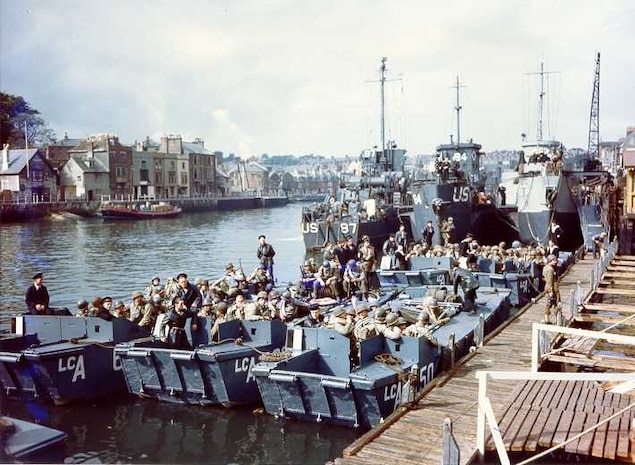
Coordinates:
[558,411]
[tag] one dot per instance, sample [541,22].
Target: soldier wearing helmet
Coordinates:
[257,310]
[237,310]
[552,289]
[328,277]
[82,308]
[352,278]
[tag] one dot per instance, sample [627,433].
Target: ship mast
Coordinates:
[382,80]
[458,109]
[541,100]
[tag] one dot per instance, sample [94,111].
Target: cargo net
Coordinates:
[274,356]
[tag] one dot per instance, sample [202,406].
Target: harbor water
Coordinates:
[86,258]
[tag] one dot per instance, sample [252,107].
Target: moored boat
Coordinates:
[371,199]
[22,438]
[138,211]
[318,383]
[456,189]
[212,373]
[60,359]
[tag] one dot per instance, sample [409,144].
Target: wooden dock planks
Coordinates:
[418,433]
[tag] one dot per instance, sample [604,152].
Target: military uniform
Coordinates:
[552,288]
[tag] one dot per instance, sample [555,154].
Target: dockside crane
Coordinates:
[593,148]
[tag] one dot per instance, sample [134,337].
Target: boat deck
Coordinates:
[413,435]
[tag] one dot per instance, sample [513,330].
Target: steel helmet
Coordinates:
[326,264]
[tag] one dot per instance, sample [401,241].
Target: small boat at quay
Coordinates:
[317,381]
[212,373]
[59,359]
[22,438]
[138,211]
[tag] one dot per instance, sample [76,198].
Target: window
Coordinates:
[37,175]
[144,175]
[172,165]
[183,165]
[157,165]
[183,178]
[143,164]
[121,172]
[172,177]
[158,178]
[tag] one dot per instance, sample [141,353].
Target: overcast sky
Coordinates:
[296,76]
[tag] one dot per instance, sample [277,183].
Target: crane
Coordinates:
[593,148]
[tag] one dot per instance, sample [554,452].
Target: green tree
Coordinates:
[14,112]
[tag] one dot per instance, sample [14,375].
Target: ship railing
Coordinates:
[487,418]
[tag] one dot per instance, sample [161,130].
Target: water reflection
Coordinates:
[144,431]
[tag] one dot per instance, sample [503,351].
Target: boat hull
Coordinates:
[316,384]
[64,359]
[317,232]
[125,214]
[211,374]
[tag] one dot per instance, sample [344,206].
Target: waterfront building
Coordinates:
[26,176]
[250,176]
[93,159]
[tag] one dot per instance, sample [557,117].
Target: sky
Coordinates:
[297,77]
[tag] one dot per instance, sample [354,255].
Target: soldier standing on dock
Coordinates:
[552,289]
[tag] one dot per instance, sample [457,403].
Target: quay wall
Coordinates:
[19,212]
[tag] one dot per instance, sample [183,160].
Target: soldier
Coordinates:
[428,234]
[175,321]
[389,249]
[260,279]
[206,308]
[221,317]
[190,293]
[328,276]
[258,310]
[422,328]
[150,312]
[121,311]
[364,325]
[341,321]
[137,307]
[368,259]
[106,302]
[82,308]
[469,284]
[229,286]
[315,318]
[101,311]
[598,245]
[401,237]
[552,289]
[352,278]
[37,296]
[155,287]
[265,254]
[389,328]
[237,310]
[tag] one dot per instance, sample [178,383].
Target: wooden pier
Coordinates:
[414,434]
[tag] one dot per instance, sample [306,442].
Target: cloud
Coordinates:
[281,76]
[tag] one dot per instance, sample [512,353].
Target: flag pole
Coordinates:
[26,151]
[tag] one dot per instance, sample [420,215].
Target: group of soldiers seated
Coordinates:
[365,320]
[492,259]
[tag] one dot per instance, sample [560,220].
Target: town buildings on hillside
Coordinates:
[101,167]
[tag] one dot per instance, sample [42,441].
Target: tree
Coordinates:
[14,112]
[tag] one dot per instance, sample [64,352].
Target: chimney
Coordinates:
[5,157]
